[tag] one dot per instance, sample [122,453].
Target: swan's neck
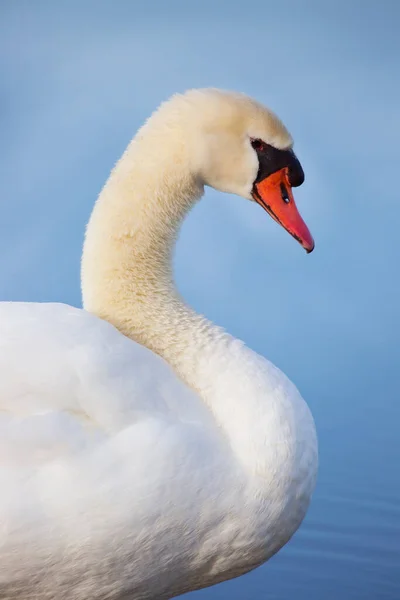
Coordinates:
[127,259]
[127,280]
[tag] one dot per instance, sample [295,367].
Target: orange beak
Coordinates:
[274,194]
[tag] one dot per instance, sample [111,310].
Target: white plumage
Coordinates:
[124,474]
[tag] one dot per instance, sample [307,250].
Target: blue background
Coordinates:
[78,78]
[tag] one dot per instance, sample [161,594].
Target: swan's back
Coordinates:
[75,380]
[108,462]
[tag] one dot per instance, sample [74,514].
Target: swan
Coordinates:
[144,452]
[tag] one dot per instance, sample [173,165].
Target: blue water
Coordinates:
[77,79]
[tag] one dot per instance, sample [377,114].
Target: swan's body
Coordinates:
[123,476]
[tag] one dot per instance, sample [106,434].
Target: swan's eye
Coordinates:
[258,145]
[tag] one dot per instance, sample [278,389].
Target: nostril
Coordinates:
[284,194]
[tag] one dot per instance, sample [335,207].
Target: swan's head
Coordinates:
[239,146]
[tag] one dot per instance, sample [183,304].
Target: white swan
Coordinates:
[124,474]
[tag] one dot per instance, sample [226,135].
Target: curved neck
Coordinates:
[127,280]
[127,258]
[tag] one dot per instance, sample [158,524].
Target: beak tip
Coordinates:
[310,248]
